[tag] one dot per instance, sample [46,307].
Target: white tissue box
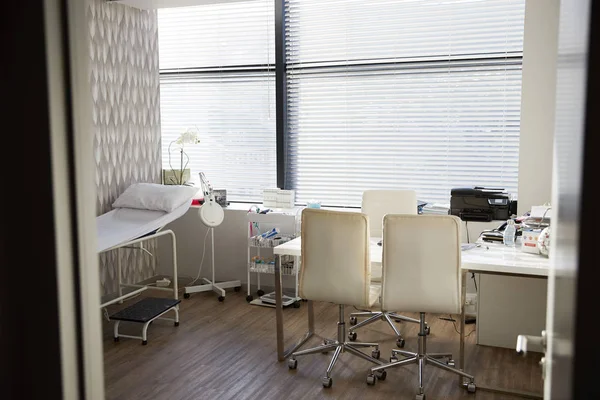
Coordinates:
[286,199]
[529,243]
[270,198]
[279,198]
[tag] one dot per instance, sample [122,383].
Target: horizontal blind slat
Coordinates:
[397,94]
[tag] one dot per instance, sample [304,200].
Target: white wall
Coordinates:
[537,103]
[231,251]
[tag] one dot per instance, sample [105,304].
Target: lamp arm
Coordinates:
[206,187]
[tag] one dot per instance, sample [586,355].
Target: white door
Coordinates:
[569,134]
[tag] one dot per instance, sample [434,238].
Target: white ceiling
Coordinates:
[153,4]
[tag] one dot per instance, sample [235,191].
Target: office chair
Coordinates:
[376,204]
[421,273]
[336,269]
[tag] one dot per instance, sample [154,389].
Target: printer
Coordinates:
[478,203]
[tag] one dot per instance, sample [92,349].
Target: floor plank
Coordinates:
[227,351]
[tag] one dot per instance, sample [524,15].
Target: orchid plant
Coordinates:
[189,137]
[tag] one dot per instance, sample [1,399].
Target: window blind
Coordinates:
[217,75]
[402,94]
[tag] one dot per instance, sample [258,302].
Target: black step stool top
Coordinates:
[145,309]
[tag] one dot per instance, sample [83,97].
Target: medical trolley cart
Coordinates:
[266,231]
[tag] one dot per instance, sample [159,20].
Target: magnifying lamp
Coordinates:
[211,213]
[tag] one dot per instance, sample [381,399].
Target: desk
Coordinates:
[487,258]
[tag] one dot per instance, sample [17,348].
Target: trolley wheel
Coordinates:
[116,339]
[221,299]
[176,323]
[376,354]
[353,320]
[296,304]
[427,330]
[326,381]
[352,336]
[237,288]
[292,363]
[471,388]
[144,342]
[393,359]
[249,298]
[400,342]
[381,375]
[450,363]
[260,292]
[371,380]
[186,295]
[420,396]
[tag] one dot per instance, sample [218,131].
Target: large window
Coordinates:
[415,94]
[217,75]
[381,94]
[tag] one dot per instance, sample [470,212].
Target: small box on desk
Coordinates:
[529,242]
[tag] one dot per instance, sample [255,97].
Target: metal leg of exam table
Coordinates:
[282,354]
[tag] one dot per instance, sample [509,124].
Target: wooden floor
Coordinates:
[227,351]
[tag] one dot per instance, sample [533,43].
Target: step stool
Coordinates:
[144,312]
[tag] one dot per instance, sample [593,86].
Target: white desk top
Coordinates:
[294,248]
[488,258]
[497,258]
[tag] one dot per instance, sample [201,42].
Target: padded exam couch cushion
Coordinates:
[154,196]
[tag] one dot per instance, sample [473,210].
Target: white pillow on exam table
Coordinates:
[155,196]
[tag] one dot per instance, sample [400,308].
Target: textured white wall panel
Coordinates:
[126,117]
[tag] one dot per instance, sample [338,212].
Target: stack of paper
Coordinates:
[436,208]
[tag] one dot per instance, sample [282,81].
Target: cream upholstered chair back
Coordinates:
[335,257]
[377,203]
[421,263]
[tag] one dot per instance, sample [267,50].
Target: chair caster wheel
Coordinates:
[450,363]
[400,343]
[420,396]
[221,299]
[292,363]
[176,323]
[352,336]
[144,342]
[249,298]
[427,330]
[296,304]
[371,380]
[353,321]
[116,339]
[376,354]
[381,375]
[186,295]
[393,359]
[237,288]
[471,388]
[260,292]
[327,382]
